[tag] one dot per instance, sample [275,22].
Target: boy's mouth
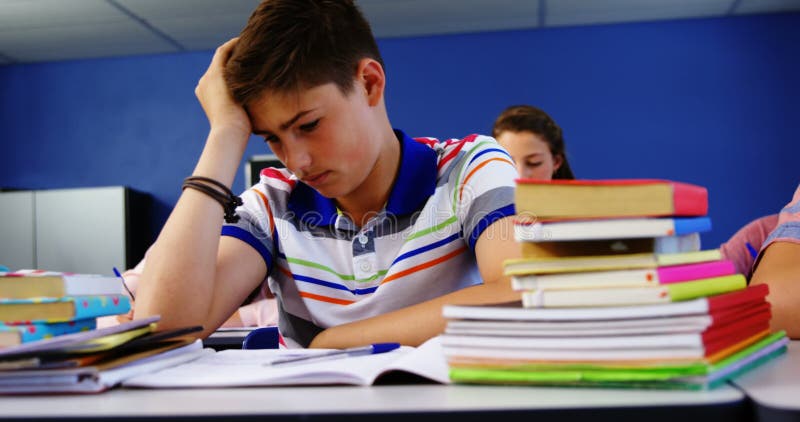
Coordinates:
[316,179]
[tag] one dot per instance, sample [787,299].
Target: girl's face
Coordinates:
[531,154]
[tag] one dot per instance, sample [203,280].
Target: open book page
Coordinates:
[427,361]
[242,368]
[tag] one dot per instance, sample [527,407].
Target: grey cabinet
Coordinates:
[85,230]
[17,235]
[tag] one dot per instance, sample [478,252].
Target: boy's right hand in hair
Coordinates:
[222,111]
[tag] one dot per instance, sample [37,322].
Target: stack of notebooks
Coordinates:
[615,291]
[49,341]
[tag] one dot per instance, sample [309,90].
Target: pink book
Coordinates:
[678,273]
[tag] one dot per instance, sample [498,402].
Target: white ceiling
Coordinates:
[50,30]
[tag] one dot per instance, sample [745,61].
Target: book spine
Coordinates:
[750,295]
[666,259]
[692,225]
[719,333]
[595,297]
[38,331]
[741,335]
[689,200]
[92,285]
[95,306]
[695,271]
[677,244]
[707,287]
[589,279]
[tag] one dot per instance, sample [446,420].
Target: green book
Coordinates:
[690,375]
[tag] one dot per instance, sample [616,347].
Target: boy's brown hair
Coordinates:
[299,44]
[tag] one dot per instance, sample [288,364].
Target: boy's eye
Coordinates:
[309,126]
[533,164]
[270,139]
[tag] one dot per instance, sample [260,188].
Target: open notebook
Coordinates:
[251,368]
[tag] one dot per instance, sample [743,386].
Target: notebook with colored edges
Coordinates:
[636,295]
[623,278]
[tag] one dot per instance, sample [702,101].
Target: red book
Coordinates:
[570,199]
[721,337]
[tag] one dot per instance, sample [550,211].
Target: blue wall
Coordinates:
[709,101]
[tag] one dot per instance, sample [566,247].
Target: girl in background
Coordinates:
[534,141]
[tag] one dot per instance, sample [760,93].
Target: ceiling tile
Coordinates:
[165,9]
[72,42]
[767,6]
[17,14]
[393,18]
[201,33]
[587,12]
[39,30]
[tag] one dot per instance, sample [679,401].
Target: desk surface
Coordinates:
[423,401]
[775,384]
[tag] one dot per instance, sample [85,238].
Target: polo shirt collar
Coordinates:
[415,183]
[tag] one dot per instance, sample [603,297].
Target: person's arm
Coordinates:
[779,268]
[192,276]
[415,324]
[742,246]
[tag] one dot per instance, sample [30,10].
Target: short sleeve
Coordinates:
[788,228]
[256,225]
[484,188]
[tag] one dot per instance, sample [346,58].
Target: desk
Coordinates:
[775,386]
[407,403]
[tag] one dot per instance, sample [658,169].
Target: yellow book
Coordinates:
[571,199]
[28,284]
[550,265]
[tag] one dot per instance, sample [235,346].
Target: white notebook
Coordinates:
[251,368]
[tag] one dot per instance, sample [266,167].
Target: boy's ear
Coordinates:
[371,79]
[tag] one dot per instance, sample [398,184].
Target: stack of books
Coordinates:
[37,304]
[615,291]
[49,340]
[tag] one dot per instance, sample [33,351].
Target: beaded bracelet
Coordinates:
[226,198]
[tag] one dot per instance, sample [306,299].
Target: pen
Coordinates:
[372,349]
[751,249]
[125,285]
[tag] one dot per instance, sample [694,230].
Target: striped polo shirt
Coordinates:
[326,271]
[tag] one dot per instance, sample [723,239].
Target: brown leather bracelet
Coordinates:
[228,200]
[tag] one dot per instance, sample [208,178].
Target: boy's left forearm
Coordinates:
[415,324]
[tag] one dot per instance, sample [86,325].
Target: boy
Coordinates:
[366,233]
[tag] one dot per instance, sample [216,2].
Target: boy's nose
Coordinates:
[298,159]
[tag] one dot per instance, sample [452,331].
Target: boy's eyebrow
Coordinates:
[285,125]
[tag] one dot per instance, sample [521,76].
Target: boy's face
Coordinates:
[320,134]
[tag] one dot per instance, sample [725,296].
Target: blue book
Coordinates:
[14,334]
[69,308]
